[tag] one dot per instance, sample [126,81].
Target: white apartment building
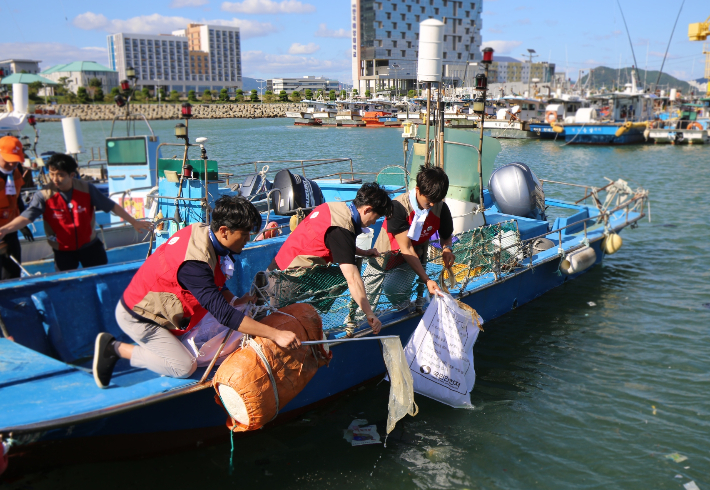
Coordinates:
[302,84]
[200,57]
[17,66]
[385,40]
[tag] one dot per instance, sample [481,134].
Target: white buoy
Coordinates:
[578,261]
[674,94]
[20,97]
[73,140]
[431,49]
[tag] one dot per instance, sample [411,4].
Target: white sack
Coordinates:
[203,340]
[440,353]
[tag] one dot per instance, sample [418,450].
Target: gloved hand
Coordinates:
[27,234]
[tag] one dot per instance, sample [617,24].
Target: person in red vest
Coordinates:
[416,216]
[67,206]
[175,288]
[11,204]
[328,235]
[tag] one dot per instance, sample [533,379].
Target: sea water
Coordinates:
[567,395]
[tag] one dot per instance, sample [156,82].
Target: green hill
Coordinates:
[603,76]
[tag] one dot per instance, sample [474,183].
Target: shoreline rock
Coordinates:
[106,112]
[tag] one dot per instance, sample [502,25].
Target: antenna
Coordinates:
[633,53]
[668,46]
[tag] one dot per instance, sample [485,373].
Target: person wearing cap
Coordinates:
[176,287]
[11,204]
[67,206]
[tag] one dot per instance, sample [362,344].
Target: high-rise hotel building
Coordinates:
[385,35]
[200,57]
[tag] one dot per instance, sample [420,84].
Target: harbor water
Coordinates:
[592,385]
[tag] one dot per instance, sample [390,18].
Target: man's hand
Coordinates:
[368,253]
[247,298]
[375,323]
[448,257]
[142,226]
[27,233]
[286,339]
[433,287]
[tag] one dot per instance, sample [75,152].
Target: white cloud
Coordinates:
[268,7]
[298,48]
[254,62]
[501,47]
[323,31]
[52,54]
[156,24]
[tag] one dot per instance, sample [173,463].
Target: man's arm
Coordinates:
[357,292]
[446,231]
[139,226]
[410,256]
[198,278]
[14,225]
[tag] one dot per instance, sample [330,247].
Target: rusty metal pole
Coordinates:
[428,122]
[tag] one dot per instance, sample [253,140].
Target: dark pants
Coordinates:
[89,256]
[11,270]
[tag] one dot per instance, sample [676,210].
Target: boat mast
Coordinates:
[658,79]
[634,73]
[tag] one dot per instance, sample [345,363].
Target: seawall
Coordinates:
[103,112]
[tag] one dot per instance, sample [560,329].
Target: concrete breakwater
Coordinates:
[103,112]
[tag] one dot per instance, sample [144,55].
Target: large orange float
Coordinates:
[244,382]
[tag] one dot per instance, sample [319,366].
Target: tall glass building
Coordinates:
[385,41]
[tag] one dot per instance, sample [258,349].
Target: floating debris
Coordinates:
[691,486]
[591,303]
[654,413]
[678,458]
[359,434]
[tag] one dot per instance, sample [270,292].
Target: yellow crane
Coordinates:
[700,32]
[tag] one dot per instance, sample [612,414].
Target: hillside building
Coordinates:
[19,66]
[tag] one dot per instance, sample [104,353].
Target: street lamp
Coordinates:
[261,88]
[531,54]
[395,67]
[479,104]
[131,73]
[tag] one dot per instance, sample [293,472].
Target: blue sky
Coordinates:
[311,37]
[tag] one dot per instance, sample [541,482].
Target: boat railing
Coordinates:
[127,192]
[258,166]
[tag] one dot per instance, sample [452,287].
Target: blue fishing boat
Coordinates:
[559,110]
[52,408]
[617,118]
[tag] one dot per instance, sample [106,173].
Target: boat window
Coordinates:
[126,151]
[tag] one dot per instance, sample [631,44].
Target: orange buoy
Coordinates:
[251,392]
[551,117]
[695,125]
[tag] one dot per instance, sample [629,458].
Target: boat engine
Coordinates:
[255,187]
[516,190]
[294,192]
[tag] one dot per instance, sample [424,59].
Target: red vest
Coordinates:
[72,223]
[8,204]
[305,246]
[154,291]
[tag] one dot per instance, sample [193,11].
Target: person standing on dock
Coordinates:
[67,206]
[328,236]
[416,216]
[11,204]
[175,288]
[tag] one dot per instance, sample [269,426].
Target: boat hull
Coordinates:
[679,136]
[545,131]
[601,134]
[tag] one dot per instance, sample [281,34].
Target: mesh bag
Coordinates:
[390,284]
[401,400]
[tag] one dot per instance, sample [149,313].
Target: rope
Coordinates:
[260,353]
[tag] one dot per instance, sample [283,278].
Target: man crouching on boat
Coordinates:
[328,236]
[174,289]
[416,216]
